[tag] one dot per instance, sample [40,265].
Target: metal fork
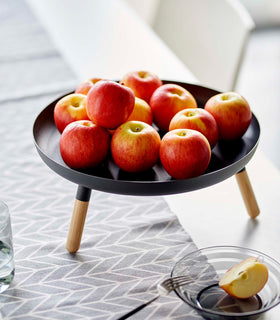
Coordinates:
[164,288]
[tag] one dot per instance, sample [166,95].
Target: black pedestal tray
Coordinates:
[228,158]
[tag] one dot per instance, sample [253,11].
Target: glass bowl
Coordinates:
[206,266]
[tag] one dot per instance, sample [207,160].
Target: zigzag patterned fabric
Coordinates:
[129,243]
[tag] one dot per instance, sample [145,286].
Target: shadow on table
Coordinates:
[249,231]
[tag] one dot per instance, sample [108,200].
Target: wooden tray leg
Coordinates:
[78,219]
[247,193]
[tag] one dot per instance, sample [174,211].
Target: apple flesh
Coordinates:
[185,153]
[143,83]
[167,100]
[84,145]
[109,104]
[85,86]
[245,279]
[141,112]
[232,114]
[135,146]
[68,109]
[196,119]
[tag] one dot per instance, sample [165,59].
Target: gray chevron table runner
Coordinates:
[129,243]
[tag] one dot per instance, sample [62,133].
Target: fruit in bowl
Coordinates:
[141,112]
[143,83]
[232,114]
[84,145]
[185,153]
[85,86]
[167,100]
[196,119]
[70,108]
[245,279]
[135,146]
[109,104]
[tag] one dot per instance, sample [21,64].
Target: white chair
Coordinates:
[209,37]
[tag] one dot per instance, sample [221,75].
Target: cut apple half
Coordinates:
[245,279]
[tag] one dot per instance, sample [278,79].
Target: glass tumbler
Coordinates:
[7,267]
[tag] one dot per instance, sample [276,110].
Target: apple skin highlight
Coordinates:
[135,146]
[197,119]
[70,108]
[232,114]
[185,153]
[141,112]
[84,145]
[167,100]
[109,104]
[143,83]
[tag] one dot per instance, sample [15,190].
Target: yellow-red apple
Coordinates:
[184,153]
[232,114]
[143,83]
[70,108]
[141,112]
[135,146]
[109,104]
[85,86]
[167,100]
[245,279]
[196,119]
[84,144]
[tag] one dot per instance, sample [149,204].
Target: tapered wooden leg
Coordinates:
[247,193]
[78,219]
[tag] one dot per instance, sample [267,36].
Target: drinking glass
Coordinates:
[7,267]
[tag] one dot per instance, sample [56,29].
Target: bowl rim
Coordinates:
[229,314]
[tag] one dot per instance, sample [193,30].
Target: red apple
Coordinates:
[141,112]
[135,146]
[109,104]
[68,109]
[184,153]
[232,114]
[197,119]
[85,86]
[245,279]
[143,83]
[84,145]
[167,100]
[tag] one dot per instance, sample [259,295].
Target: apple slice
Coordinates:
[245,279]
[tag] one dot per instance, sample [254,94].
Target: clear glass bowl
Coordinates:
[206,266]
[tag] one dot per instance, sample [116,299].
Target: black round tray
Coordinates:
[227,159]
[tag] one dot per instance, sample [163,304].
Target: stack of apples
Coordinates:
[141,121]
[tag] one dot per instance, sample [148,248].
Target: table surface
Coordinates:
[211,216]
